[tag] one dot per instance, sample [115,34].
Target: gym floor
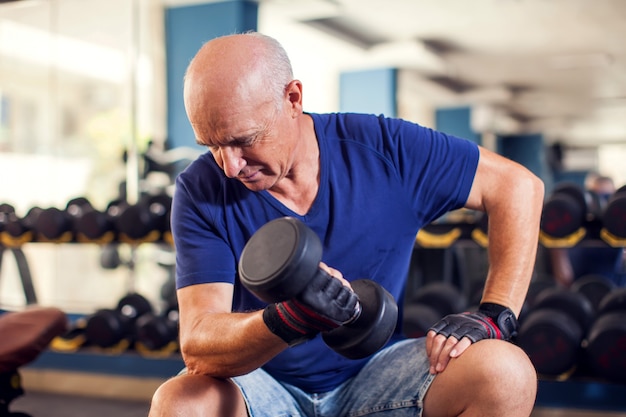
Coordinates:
[54,405]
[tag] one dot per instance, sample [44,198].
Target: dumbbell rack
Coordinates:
[24,272]
[573,393]
[568,394]
[106,367]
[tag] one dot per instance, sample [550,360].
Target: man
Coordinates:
[365,185]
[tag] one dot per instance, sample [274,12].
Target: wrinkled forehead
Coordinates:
[221,124]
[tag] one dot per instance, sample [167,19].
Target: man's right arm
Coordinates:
[216,342]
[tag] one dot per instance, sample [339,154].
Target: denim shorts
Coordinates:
[392,384]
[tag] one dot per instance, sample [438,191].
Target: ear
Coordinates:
[294,94]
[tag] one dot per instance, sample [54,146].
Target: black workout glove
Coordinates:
[323,305]
[491,321]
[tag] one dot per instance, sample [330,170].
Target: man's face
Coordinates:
[251,144]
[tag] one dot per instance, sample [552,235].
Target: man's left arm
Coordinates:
[512,197]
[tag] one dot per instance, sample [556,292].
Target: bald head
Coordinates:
[231,69]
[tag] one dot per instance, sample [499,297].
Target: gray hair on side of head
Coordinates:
[279,72]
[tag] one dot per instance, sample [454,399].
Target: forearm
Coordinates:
[513,238]
[228,344]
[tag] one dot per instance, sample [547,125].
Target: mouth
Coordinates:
[248,176]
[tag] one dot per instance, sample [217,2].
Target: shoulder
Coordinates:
[202,174]
[376,131]
[348,124]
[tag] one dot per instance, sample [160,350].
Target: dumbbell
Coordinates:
[605,349]
[614,217]
[7,212]
[17,230]
[56,225]
[145,221]
[594,287]
[99,226]
[157,334]
[6,208]
[283,256]
[431,303]
[565,211]
[115,328]
[552,333]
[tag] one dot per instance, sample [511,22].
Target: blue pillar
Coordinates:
[186,30]
[456,121]
[528,150]
[369,91]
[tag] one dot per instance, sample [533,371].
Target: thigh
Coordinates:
[265,397]
[393,383]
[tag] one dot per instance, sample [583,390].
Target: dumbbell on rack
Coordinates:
[58,225]
[594,287]
[15,230]
[431,303]
[99,226]
[146,221]
[157,334]
[564,213]
[552,332]
[115,328]
[282,258]
[614,217]
[605,349]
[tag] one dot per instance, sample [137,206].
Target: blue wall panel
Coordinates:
[528,150]
[456,121]
[369,91]
[186,30]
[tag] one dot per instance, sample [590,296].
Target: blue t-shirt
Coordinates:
[381,180]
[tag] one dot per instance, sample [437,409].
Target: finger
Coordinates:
[438,342]
[444,354]
[460,347]
[430,337]
[335,273]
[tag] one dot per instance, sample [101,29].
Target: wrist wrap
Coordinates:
[294,322]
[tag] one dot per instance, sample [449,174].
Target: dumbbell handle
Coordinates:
[357,313]
[327,296]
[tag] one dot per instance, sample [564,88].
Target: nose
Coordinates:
[232,161]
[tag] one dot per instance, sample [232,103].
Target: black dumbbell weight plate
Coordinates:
[613,301]
[417,319]
[562,215]
[372,329]
[614,216]
[606,347]
[106,328]
[573,304]
[552,341]
[594,287]
[278,260]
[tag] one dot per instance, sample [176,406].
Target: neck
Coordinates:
[299,188]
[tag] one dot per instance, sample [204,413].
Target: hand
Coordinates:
[325,304]
[449,337]
[330,296]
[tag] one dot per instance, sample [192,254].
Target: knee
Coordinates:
[197,395]
[491,378]
[506,372]
[169,396]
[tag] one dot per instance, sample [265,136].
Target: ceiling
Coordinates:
[551,66]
